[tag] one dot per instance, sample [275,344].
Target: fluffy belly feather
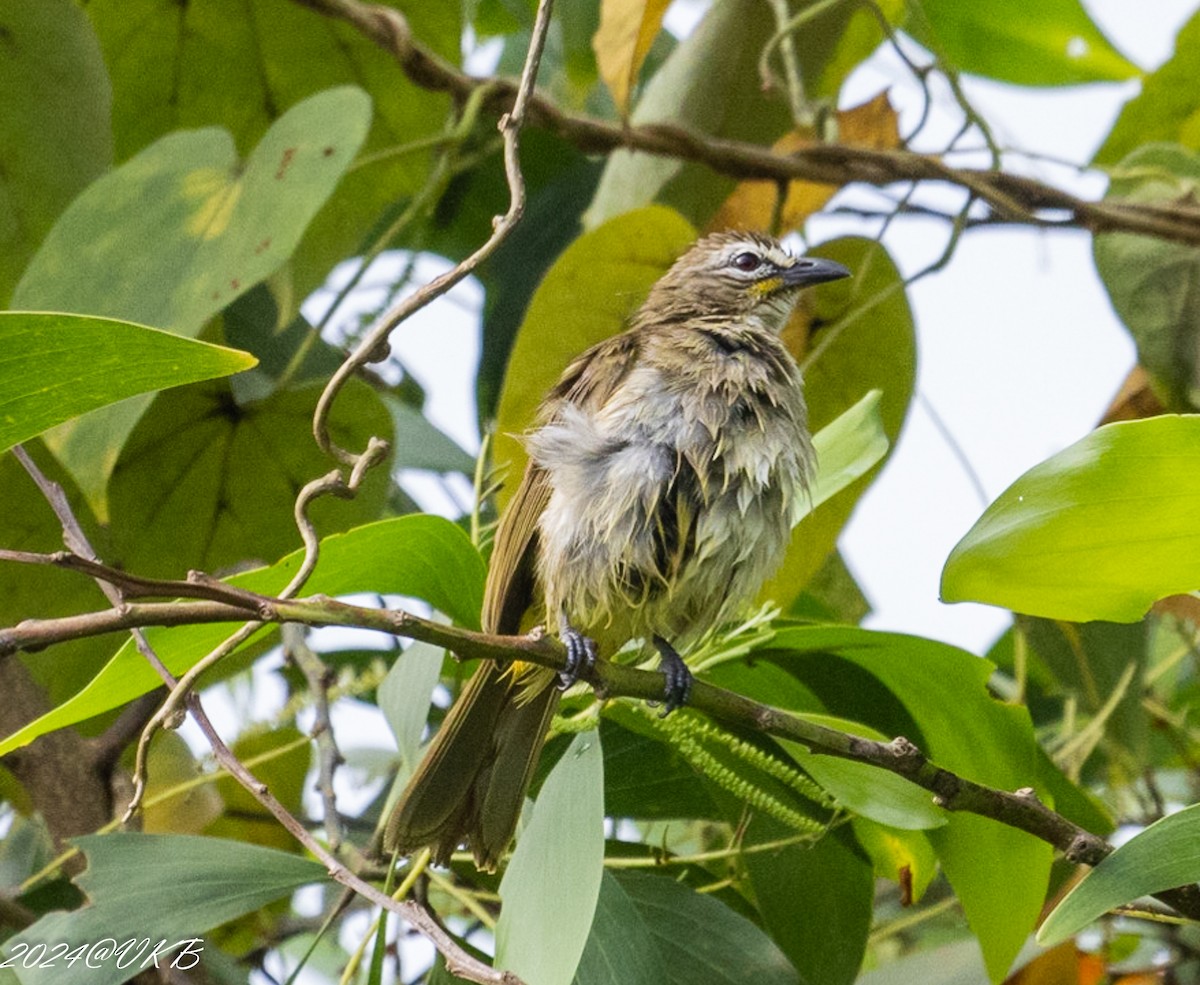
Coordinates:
[663,521]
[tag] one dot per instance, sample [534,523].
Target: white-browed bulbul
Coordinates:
[663,470]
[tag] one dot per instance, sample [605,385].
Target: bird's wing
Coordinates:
[509,590]
[588,382]
[592,378]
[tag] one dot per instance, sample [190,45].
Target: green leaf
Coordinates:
[654,930]
[1165,855]
[244,819]
[645,777]
[133,883]
[1101,530]
[403,697]
[55,367]
[830,48]
[1152,283]
[174,235]
[218,64]
[1049,43]
[899,855]
[620,946]
[1000,874]
[559,190]
[1090,662]
[420,556]
[55,133]
[824,942]
[550,888]
[613,267]
[847,448]
[420,444]
[881,796]
[252,323]
[1167,106]
[204,483]
[863,339]
[709,85]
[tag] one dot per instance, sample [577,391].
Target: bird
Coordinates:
[663,471]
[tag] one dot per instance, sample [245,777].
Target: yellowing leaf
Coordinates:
[905,857]
[171,767]
[872,125]
[627,29]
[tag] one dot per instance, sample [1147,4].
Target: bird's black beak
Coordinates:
[812,270]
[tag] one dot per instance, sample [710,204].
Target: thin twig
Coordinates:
[510,124]
[319,677]
[1018,198]
[109,745]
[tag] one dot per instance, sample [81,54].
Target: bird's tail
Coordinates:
[472,782]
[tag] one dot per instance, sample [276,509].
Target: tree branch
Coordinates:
[1013,198]
[1020,809]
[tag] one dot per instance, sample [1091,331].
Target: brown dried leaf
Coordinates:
[1062,965]
[872,125]
[627,29]
[1135,400]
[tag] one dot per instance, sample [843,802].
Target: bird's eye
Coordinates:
[747,261]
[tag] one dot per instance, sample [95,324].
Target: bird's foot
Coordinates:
[581,654]
[677,678]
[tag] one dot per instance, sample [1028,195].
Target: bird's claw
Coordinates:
[677,677]
[581,656]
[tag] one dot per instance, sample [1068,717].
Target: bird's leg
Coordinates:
[581,653]
[676,675]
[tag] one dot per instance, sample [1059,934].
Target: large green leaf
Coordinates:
[1153,283]
[240,64]
[55,134]
[825,942]
[133,882]
[1167,106]
[620,947]
[55,367]
[943,690]
[550,888]
[652,930]
[174,235]
[204,483]
[863,339]
[709,84]
[420,556]
[885,798]
[171,237]
[847,448]
[1099,531]
[244,818]
[644,777]
[1165,855]
[403,697]
[1048,43]
[587,296]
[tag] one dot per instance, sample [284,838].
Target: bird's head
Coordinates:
[738,275]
